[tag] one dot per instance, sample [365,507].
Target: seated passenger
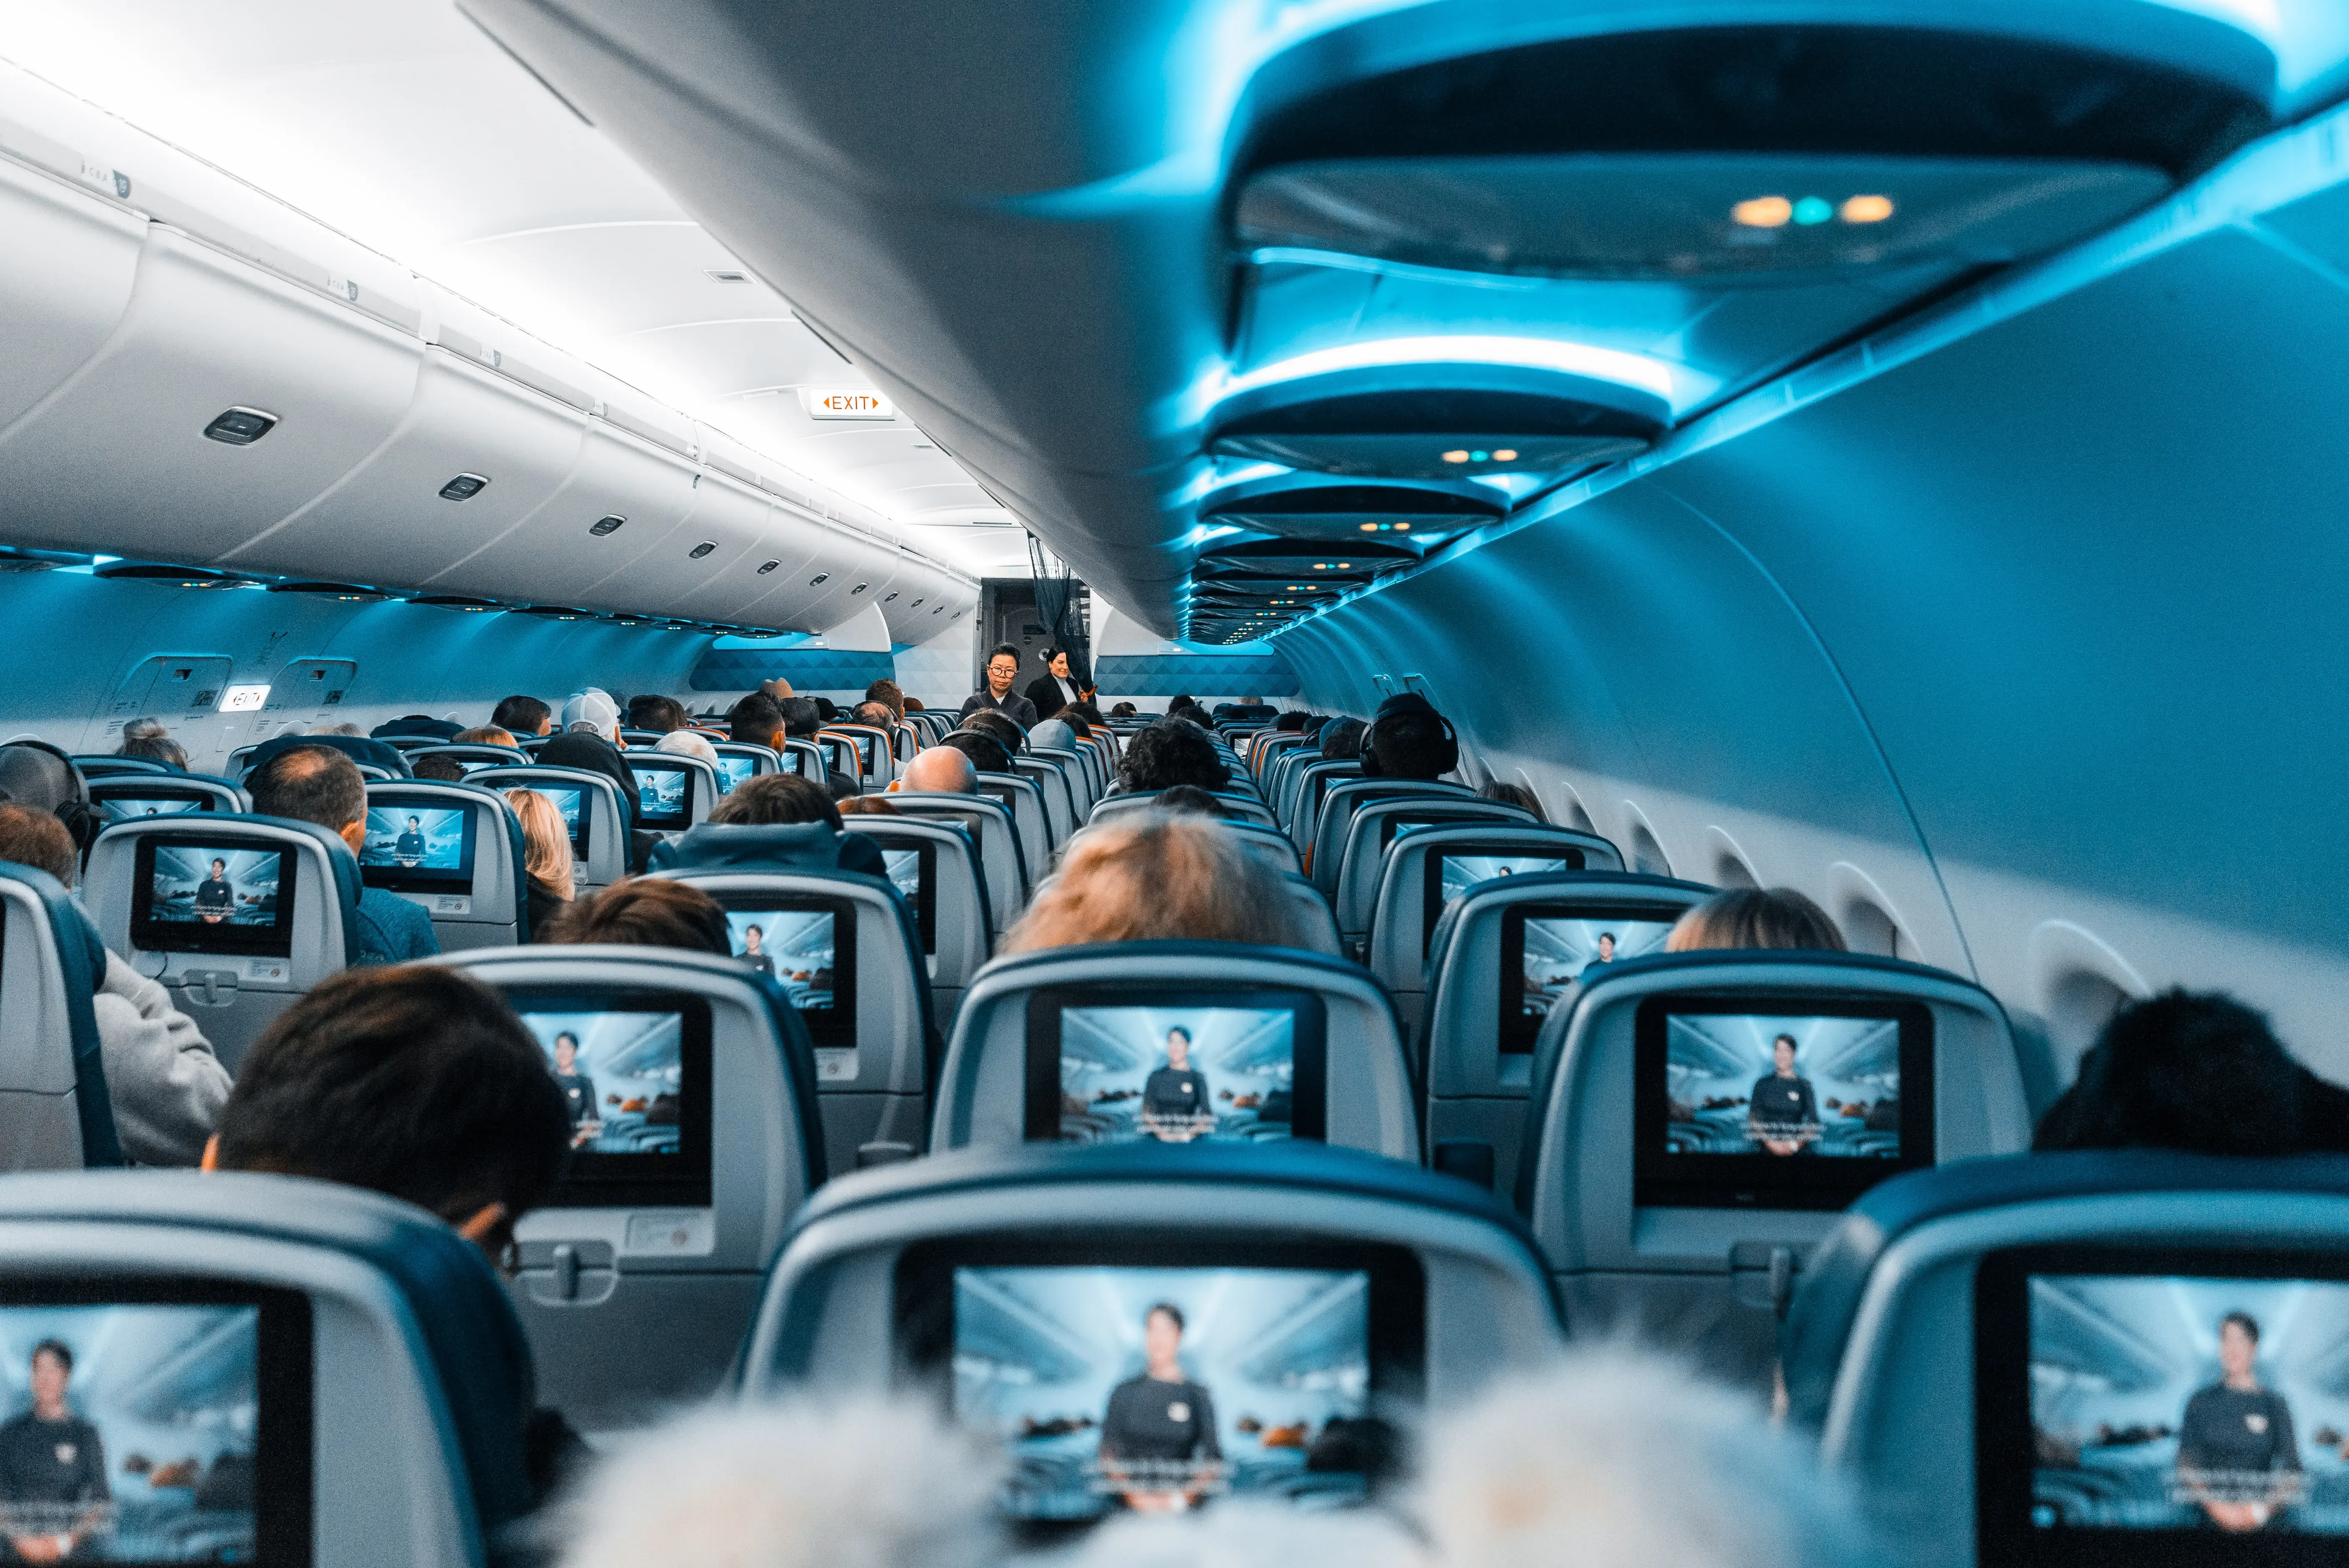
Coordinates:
[1407,738]
[312,784]
[546,856]
[345,727]
[1293,720]
[687,743]
[890,695]
[1188,800]
[879,715]
[523,715]
[775,690]
[771,800]
[1755,917]
[756,720]
[1125,710]
[1169,753]
[1514,794]
[867,805]
[149,739]
[802,717]
[485,735]
[590,712]
[986,752]
[1184,703]
[2199,1073]
[165,1082]
[1151,874]
[662,713]
[1341,740]
[439,769]
[945,769]
[1010,735]
[647,911]
[1053,735]
[413,724]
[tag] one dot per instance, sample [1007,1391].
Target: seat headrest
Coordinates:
[81,959]
[347,883]
[418,724]
[358,748]
[785,846]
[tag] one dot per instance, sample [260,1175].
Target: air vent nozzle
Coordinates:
[700,550]
[240,426]
[464,487]
[604,525]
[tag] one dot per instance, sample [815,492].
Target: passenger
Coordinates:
[997,695]
[2201,1073]
[420,725]
[1755,917]
[1407,738]
[1125,710]
[647,911]
[1188,800]
[1009,736]
[826,710]
[986,752]
[664,715]
[1056,688]
[347,727]
[756,720]
[166,1084]
[1183,704]
[1289,722]
[687,743]
[523,715]
[913,705]
[1169,753]
[1053,735]
[1148,875]
[147,738]
[314,784]
[878,715]
[1514,794]
[439,769]
[590,712]
[867,805]
[945,769]
[419,1083]
[1341,741]
[890,695]
[773,799]
[586,749]
[803,716]
[547,856]
[775,690]
[486,734]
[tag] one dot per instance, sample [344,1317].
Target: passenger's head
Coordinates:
[985,753]
[1002,668]
[1187,798]
[546,842]
[889,694]
[1185,703]
[778,688]
[1407,738]
[1169,753]
[1341,740]
[664,714]
[945,769]
[1147,875]
[1124,710]
[2197,1072]
[1294,719]
[1053,736]
[879,715]
[147,738]
[1755,917]
[1514,794]
[647,911]
[29,837]
[986,721]
[775,799]
[686,743]
[803,716]
[867,805]
[415,1081]
[345,727]
[757,721]
[523,716]
[312,784]
[483,735]
[440,769]
[590,712]
[1080,723]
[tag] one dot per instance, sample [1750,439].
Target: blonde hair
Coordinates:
[1151,875]
[1755,917]
[483,735]
[546,842]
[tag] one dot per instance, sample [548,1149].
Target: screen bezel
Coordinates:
[2003,1456]
[682,1179]
[1309,1046]
[1768,1181]
[922,1344]
[1519,1035]
[398,878]
[283,1379]
[273,941]
[638,768]
[1431,900]
[832,1028]
[926,892]
[105,798]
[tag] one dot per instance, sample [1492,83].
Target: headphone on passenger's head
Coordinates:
[30,783]
[1396,706]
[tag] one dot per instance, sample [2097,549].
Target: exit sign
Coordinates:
[842,403]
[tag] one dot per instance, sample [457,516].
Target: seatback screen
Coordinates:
[1125,1380]
[913,872]
[195,896]
[573,806]
[732,770]
[1449,873]
[413,847]
[137,808]
[1240,1067]
[162,1423]
[807,944]
[2141,1408]
[664,796]
[1778,1102]
[1546,949]
[634,1069]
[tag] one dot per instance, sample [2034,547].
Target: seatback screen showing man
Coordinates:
[2187,1404]
[1177,1075]
[732,770]
[623,1074]
[1156,1390]
[795,946]
[411,847]
[1543,956]
[207,898]
[129,1433]
[571,806]
[134,808]
[1785,1086]
[664,797]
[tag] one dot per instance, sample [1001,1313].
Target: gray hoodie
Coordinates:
[166,1084]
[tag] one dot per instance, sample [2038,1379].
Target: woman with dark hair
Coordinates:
[1058,687]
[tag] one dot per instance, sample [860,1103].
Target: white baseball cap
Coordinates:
[592,706]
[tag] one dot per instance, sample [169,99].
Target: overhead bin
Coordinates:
[1342,511]
[623,503]
[65,280]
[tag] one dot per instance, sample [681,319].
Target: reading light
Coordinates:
[464,487]
[1763,212]
[1458,457]
[240,426]
[1867,209]
[859,588]
[819,579]
[700,550]
[1813,209]
[916,605]
[605,525]
[469,606]
[1504,454]
[721,275]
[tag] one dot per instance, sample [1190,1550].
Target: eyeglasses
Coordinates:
[1003,670]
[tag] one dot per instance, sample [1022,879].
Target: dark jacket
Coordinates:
[545,903]
[1045,696]
[418,724]
[783,846]
[1013,707]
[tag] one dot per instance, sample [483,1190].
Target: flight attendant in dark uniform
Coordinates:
[1783,1113]
[215,899]
[754,952]
[53,1489]
[1158,1443]
[578,1090]
[2237,1455]
[1175,1106]
[409,848]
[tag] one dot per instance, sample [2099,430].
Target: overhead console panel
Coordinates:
[1316,507]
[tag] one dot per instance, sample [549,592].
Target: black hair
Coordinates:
[1171,1310]
[520,716]
[803,716]
[1409,744]
[773,799]
[416,1081]
[1341,740]
[997,652]
[755,719]
[64,1352]
[1005,730]
[985,753]
[2244,1320]
[310,784]
[1179,1029]
[1171,752]
[648,911]
[1293,719]
[1188,800]
[2196,1072]
[441,770]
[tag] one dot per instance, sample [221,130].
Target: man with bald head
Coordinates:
[942,768]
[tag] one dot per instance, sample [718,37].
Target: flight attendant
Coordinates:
[1175,1106]
[1056,688]
[53,1487]
[2237,1455]
[755,955]
[215,899]
[578,1090]
[1158,1442]
[1783,1113]
[1002,669]
[409,848]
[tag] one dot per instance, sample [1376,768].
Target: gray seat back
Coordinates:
[990,821]
[1024,797]
[636,1288]
[468,866]
[1380,826]
[957,935]
[1269,845]
[1428,867]
[1301,796]
[674,791]
[125,796]
[56,1113]
[1326,839]
[590,804]
[1312,910]
[738,761]
[807,758]
[1230,995]
[1058,795]
[1238,807]
[1082,788]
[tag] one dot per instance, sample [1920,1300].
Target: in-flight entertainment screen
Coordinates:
[1240,1068]
[633,1070]
[194,896]
[412,847]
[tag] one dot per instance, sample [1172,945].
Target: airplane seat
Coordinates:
[806,758]
[738,761]
[1326,826]
[1082,792]
[1312,912]
[1303,793]
[988,821]
[674,791]
[1054,792]
[56,1113]
[456,852]
[845,947]
[124,796]
[905,742]
[105,765]
[1664,1197]
[591,808]
[1045,1262]
[1065,1043]
[1024,797]
[234,951]
[333,1375]
[1503,952]
[1238,808]
[2004,1353]
[876,753]
[639,1276]
[1378,827]
[841,753]
[937,868]
[1269,845]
